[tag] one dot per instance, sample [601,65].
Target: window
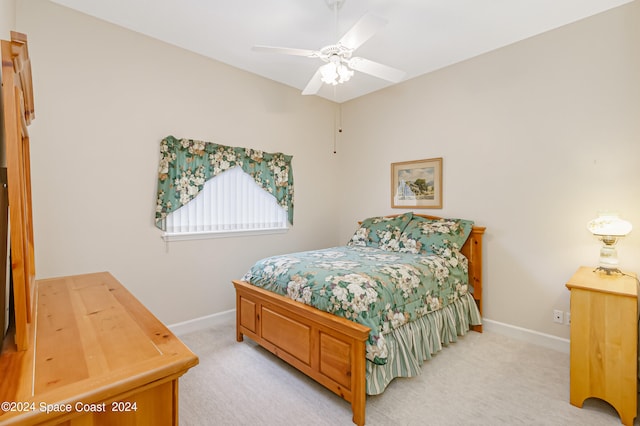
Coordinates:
[208,190]
[229,203]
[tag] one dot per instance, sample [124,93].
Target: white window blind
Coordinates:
[230,203]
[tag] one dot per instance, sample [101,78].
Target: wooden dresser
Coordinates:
[604,340]
[97,356]
[79,350]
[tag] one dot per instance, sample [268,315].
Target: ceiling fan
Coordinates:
[339,60]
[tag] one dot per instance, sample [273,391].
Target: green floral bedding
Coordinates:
[377,288]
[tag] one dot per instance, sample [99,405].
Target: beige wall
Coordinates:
[536,137]
[7,24]
[7,18]
[104,99]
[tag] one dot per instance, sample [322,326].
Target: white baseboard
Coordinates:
[531,336]
[201,323]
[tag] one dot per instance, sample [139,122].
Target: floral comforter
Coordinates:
[380,289]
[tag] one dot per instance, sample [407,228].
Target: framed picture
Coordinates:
[417,184]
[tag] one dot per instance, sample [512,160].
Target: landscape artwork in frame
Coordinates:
[417,184]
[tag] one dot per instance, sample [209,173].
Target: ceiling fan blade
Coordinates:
[286,51]
[376,69]
[362,31]
[313,85]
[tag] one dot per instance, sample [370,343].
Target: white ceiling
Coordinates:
[421,35]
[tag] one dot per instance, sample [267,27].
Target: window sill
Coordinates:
[185,236]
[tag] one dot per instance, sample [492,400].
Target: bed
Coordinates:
[333,315]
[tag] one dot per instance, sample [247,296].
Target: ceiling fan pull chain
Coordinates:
[337,126]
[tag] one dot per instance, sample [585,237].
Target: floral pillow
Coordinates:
[381,231]
[432,236]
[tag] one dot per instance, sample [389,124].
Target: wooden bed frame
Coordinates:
[327,348]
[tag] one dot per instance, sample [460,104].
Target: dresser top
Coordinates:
[588,278]
[91,340]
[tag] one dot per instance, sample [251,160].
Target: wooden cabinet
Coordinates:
[604,340]
[97,356]
[17,112]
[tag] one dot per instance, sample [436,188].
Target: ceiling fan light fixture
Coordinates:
[329,73]
[345,73]
[335,71]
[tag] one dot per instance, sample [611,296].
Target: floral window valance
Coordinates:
[186,164]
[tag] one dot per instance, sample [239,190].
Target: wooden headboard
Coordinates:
[472,249]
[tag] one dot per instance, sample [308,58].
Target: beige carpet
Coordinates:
[483,379]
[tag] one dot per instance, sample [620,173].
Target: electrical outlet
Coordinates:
[567,318]
[558,316]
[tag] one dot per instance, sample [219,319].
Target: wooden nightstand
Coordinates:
[604,340]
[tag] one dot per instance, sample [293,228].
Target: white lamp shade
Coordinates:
[335,72]
[329,73]
[345,73]
[609,225]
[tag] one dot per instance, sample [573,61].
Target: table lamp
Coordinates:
[608,227]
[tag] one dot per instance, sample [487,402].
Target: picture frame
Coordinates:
[417,184]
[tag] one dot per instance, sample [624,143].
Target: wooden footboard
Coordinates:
[327,348]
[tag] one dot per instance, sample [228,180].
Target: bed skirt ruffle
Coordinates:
[415,342]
